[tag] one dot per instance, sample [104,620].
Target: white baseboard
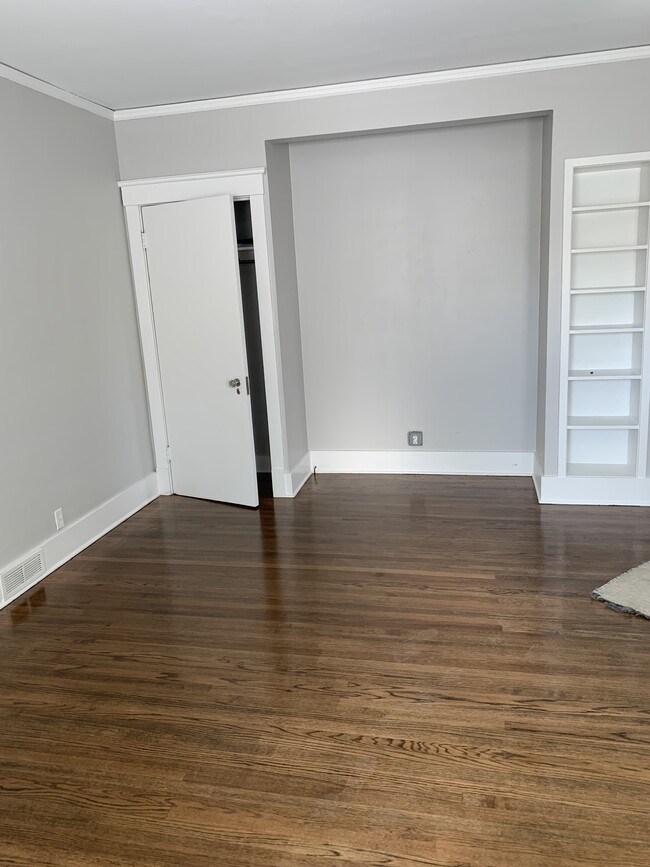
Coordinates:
[289,484]
[425,462]
[588,491]
[537,476]
[279,483]
[298,475]
[164,479]
[65,544]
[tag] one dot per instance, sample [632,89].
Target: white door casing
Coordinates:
[241,183]
[191,249]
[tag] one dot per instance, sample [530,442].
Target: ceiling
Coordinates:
[130,53]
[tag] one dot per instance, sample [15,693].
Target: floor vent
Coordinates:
[21,576]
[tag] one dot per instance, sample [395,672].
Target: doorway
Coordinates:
[253,338]
[251,293]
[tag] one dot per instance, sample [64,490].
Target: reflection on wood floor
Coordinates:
[388,670]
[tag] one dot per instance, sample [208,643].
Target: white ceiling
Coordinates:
[128,53]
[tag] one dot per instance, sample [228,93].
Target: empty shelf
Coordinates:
[624,206]
[604,329]
[600,290]
[609,470]
[627,248]
[595,422]
[605,374]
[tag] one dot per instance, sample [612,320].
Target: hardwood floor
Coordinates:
[389,670]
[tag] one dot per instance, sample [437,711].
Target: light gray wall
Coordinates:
[596,110]
[286,288]
[418,275]
[75,430]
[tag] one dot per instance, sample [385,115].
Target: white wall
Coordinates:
[74,422]
[596,110]
[418,276]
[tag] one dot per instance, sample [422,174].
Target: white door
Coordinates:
[196,300]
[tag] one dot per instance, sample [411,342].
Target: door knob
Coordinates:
[234,383]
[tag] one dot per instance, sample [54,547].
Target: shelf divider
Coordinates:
[621,206]
[605,329]
[627,248]
[602,290]
[604,374]
[615,422]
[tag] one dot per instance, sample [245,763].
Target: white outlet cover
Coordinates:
[59,519]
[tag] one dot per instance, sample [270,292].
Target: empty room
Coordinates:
[325,468]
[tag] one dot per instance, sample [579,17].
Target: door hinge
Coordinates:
[143,238]
[169,454]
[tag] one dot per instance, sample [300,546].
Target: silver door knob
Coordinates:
[234,383]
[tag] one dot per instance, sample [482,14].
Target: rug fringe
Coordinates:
[613,605]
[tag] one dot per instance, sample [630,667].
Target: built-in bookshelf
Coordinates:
[604,389]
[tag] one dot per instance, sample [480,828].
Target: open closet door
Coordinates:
[197,309]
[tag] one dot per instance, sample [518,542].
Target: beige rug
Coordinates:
[630,592]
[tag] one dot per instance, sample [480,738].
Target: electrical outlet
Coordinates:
[59,519]
[415,438]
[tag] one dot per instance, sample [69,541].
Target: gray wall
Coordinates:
[75,430]
[418,275]
[596,110]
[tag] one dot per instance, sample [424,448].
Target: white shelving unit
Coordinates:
[604,393]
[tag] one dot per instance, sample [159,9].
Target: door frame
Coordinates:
[242,184]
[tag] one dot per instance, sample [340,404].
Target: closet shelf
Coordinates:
[621,206]
[622,422]
[601,290]
[604,374]
[604,329]
[627,248]
[596,470]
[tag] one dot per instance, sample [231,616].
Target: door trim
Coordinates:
[178,188]
[247,183]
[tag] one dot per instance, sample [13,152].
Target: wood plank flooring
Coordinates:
[389,670]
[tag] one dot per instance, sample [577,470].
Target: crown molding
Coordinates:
[378,84]
[32,83]
[466,73]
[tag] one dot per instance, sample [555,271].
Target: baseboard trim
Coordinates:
[425,462]
[288,484]
[537,476]
[74,538]
[588,491]
[298,475]
[164,480]
[279,483]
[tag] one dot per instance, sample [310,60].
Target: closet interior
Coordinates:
[253,338]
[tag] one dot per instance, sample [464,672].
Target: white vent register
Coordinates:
[21,576]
